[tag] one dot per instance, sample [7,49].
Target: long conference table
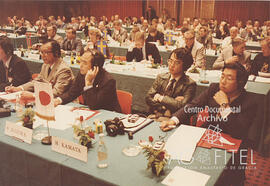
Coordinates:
[138,80]
[36,164]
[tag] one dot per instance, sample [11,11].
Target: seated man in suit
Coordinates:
[95,36]
[51,33]
[20,28]
[71,43]
[140,50]
[228,40]
[204,37]
[13,70]
[195,48]
[230,107]
[261,62]
[234,54]
[96,85]
[119,33]
[172,90]
[155,36]
[54,70]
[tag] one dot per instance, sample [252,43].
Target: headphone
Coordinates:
[98,58]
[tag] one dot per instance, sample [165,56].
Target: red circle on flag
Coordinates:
[44,98]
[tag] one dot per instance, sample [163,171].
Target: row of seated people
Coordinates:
[233,47]
[171,95]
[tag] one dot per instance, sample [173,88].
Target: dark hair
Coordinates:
[71,28]
[242,74]
[53,26]
[98,58]
[183,55]
[56,50]
[6,45]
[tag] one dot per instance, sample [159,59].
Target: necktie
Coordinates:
[169,90]
[49,71]
[69,45]
[6,69]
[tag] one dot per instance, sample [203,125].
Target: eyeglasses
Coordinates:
[229,78]
[45,52]
[174,62]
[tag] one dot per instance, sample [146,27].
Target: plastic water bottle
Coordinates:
[102,154]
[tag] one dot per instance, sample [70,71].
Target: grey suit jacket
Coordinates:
[76,44]
[228,53]
[61,78]
[198,55]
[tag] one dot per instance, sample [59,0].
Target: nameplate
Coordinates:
[19,132]
[18,53]
[12,35]
[33,56]
[69,148]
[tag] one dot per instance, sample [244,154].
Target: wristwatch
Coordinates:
[224,105]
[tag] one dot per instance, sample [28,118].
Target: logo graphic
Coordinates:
[213,135]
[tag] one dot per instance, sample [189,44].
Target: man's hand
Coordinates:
[232,60]
[158,97]
[91,75]
[179,98]
[10,89]
[220,97]
[56,102]
[26,95]
[167,125]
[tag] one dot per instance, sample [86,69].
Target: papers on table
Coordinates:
[11,96]
[182,177]
[262,79]
[182,143]
[65,117]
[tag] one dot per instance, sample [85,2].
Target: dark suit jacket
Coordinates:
[101,96]
[259,62]
[21,30]
[237,124]
[184,87]
[159,36]
[150,49]
[18,70]
[76,45]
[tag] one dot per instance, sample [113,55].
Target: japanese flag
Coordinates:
[44,100]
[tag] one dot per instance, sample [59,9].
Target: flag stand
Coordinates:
[48,139]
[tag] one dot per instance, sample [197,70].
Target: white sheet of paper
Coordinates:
[182,177]
[64,117]
[10,96]
[262,79]
[182,143]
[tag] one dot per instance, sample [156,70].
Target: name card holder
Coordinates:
[18,53]
[69,148]
[33,56]
[18,132]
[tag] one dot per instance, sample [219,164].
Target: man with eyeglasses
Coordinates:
[54,70]
[229,107]
[172,90]
[51,33]
[195,48]
[234,54]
